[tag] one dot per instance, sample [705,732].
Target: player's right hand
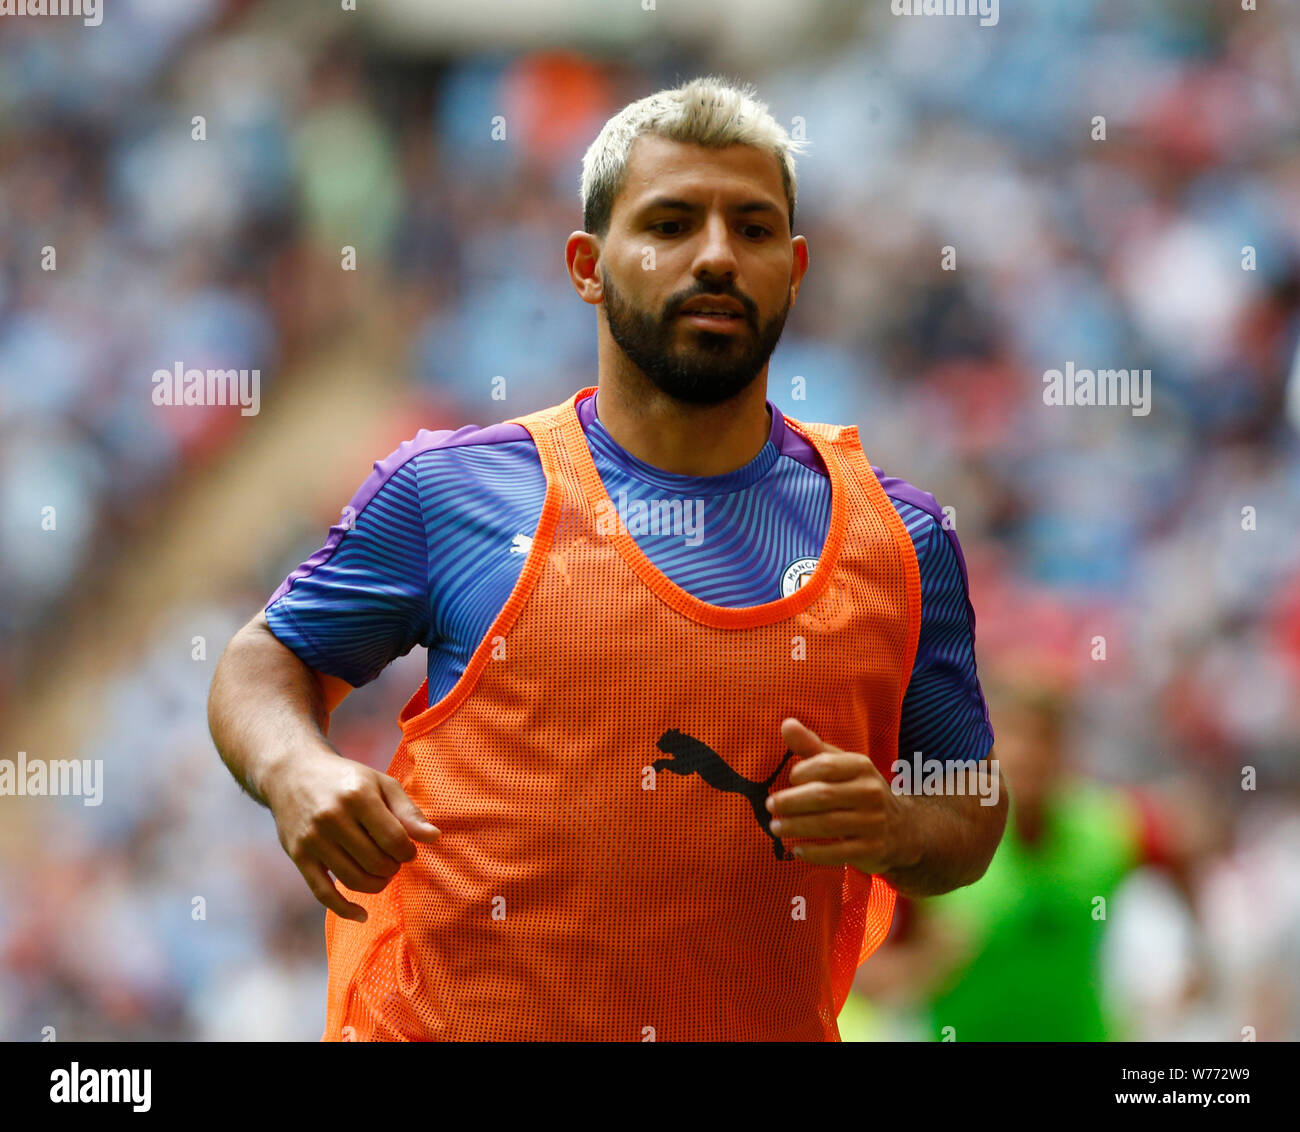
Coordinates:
[338,815]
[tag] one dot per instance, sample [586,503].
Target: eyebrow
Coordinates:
[675,205]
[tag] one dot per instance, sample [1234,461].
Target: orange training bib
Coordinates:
[605,870]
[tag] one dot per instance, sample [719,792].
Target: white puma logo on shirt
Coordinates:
[522,545]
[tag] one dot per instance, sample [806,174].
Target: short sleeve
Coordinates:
[944,713]
[361,600]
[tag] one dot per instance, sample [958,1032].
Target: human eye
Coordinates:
[658,224]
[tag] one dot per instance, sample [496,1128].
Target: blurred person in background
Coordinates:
[1018,956]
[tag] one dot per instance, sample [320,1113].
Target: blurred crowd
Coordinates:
[1115,186]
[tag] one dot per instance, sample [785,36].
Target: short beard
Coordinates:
[714,368]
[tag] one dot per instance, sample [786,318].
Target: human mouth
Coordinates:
[714,319]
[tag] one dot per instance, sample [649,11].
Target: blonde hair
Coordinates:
[709,111]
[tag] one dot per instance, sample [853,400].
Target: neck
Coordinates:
[685,439]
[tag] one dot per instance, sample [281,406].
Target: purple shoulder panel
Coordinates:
[897,488]
[425,440]
[797,448]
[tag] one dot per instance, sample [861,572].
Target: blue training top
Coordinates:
[433,542]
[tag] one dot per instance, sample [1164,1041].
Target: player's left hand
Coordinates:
[841,795]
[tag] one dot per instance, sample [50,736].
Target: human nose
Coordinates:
[716,258]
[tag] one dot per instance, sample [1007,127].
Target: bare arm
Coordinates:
[953,836]
[265,704]
[269,717]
